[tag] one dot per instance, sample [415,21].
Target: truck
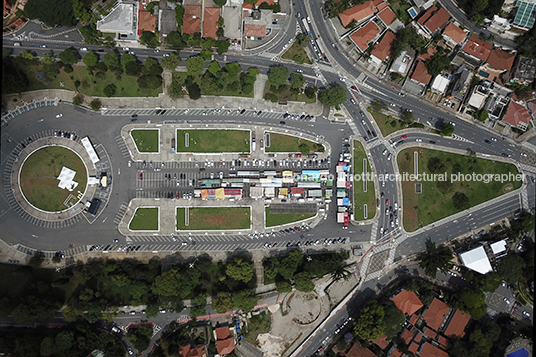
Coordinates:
[320,48]
[253,141]
[173,144]
[305,26]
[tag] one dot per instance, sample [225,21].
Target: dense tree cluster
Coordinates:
[376,319]
[51,12]
[333,96]
[406,36]
[435,258]
[335,7]
[480,9]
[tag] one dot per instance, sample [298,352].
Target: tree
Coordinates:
[434,259]
[150,39]
[240,270]
[195,65]
[95,104]
[310,92]
[437,63]
[133,68]
[407,116]
[179,16]
[220,3]
[27,55]
[168,283]
[171,62]
[296,80]
[341,272]
[206,54]
[222,303]
[194,92]
[222,46]
[253,71]
[233,69]
[110,90]
[435,165]
[290,263]
[245,300]
[368,325]
[151,82]
[174,91]
[511,268]
[283,287]
[127,58]
[271,97]
[393,320]
[51,12]
[488,282]
[460,200]
[21,314]
[47,59]
[57,259]
[379,106]
[111,59]
[448,129]
[35,261]
[91,59]
[332,96]
[47,346]
[481,115]
[303,282]
[214,67]
[278,75]
[303,39]
[472,301]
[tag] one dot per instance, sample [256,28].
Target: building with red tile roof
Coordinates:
[191,351]
[396,353]
[443,340]
[225,343]
[382,342]
[517,116]
[429,350]
[360,12]
[359,351]
[407,302]
[387,16]
[425,56]
[414,318]
[413,347]
[192,19]
[418,337]
[146,20]
[407,336]
[457,323]
[383,48]
[501,60]
[453,35]
[420,74]
[210,21]
[436,313]
[364,35]
[433,19]
[251,30]
[477,48]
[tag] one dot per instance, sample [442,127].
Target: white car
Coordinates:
[342,79]
[129,163]
[165,55]
[83,49]
[526,313]
[299,71]
[389,156]
[59,115]
[385,152]
[506,301]
[131,53]
[452,123]
[418,140]
[156,51]
[381,230]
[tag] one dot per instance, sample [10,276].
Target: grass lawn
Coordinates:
[360,197]
[257,325]
[400,9]
[289,96]
[276,219]
[214,218]
[38,177]
[145,219]
[384,123]
[146,140]
[213,141]
[435,202]
[297,50]
[228,90]
[288,143]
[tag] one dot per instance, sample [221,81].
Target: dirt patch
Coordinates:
[305,307]
[270,345]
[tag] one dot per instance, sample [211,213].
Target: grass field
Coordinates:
[276,219]
[213,141]
[146,140]
[435,202]
[287,143]
[360,197]
[214,218]
[384,123]
[145,219]
[297,50]
[257,325]
[38,177]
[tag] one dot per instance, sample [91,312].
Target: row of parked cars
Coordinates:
[65,134]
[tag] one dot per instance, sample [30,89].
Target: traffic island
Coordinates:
[146,140]
[364,190]
[278,219]
[276,142]
[145,219]
[450,183]
[213,141]
[213,218]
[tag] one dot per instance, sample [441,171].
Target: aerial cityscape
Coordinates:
[255,178]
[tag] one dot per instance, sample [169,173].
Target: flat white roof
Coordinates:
[477,260]
[499,247]
[120,19]
[90,150]
[440,83]
[66,178]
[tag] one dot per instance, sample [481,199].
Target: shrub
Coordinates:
[95,104]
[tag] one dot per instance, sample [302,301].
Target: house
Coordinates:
[477,49]
[191,351]
[225,343]
[435,314]
[407,302]
[359,351]
[458,84]
[429,350]
[381,342]
[167,22]
[453,35]
[387,16]
[430,51]
[440,83]
[401,63]
[119,21]
[361,12]
[517,116]
[249,6]
[381,52]
[501,60]
[191,22]
[232,19]
[364,35]
[420,74]
[146,20]
[433,19]
[210,22]
[259,24]
[526,71]
[457,324]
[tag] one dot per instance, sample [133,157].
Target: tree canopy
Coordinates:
[332,96]
[171,62]
[303,282]
[511,268]
[240,270]
[296,80]
[245,300]
[437,63]
[448,129]
[51,12]
[434,259]
[278,75]
[472,301]
[368,324]
[91,59]
[67,56]
[195,65]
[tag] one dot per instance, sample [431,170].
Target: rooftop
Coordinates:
[420,73]
[364,35]
[407,336]
[224,342]
[407,302]
[383,48]
[438,19]
[476,259]
[192,19]
[191,351]
[357,12]
[429,350]
[455,33]
[525,14]
[210,26]
[501,60]
[359,351]
[477,48]
[457,324]
[233,22]
[147,21]
[436,313]
[517,115]
[120,19]
[382,342]
[387,16]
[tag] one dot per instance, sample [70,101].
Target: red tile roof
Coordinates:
[455,33]
[254,30]
[443,340]
[224,342]
[477,48]
[359,351]
[436,313]
[420,74]
[210,26]
[516,113]
[413,347]
[364,35]
[407,302]
[191,351]
[383,48]
[407,336]
[426,16]
[418,337]
[428,54]
[532,106]
[437,21]
[501,60]
[191,19]
[146,21]
[413,319]
[387,15]
[429,350]
[396,353]
[358,12]
[382,342]
[457,324]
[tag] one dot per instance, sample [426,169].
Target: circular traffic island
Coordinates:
[53,178]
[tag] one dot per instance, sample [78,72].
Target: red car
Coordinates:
[178,196]
[403,136]
[353,87]
[387,202]
[141,176]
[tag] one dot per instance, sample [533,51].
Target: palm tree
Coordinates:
[341,272]
[434,259]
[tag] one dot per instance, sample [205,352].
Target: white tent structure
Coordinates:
[477,260]
[66,179]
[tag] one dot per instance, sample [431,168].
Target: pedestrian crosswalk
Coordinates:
[326,68]
[122,146]
[121,212]
[354,127]
[525,200]
[70,252]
